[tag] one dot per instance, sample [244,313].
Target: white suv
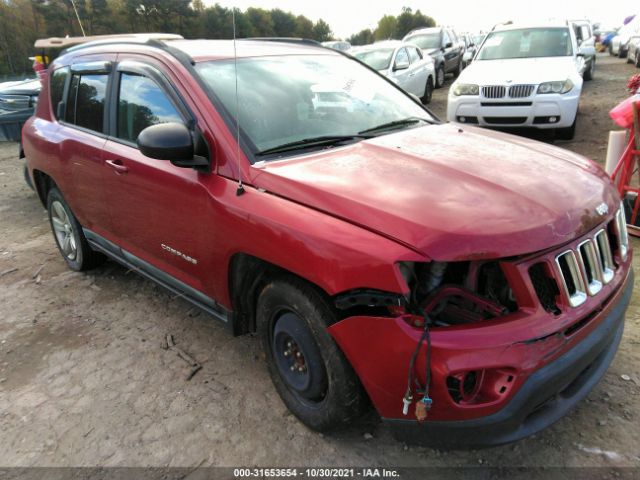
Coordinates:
[523,76]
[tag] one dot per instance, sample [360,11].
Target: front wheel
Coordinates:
[458,70]
[67,232]
[569,132]
[440,76]
[589,72]
[428,91]
[310,373]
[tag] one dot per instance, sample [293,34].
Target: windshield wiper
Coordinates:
[394,125]
[321,141]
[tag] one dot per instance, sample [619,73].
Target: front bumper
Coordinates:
[534,111]
[545,397]
[551,364]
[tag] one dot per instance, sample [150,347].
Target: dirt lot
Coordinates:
[84,381]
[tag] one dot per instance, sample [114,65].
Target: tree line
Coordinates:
[23,21]
[393,28]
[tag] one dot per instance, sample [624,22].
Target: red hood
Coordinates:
[448,193]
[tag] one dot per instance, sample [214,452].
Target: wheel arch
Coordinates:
[42,184]
[247,276]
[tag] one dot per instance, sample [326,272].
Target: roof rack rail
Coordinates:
[508,22]
[302,41]
[67,42]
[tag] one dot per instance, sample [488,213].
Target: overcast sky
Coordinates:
[350,16]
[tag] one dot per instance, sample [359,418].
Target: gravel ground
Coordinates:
[84,380]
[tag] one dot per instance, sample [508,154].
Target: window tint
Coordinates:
[142,103]
[70,113]
[584,33]
[402,57]
[446,38]
[414,55]
[56,86]
[85,106]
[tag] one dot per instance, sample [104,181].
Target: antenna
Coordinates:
[78,17]
[240,189]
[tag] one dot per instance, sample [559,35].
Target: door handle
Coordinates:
[117,166]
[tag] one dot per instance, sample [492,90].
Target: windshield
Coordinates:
[291,98]
[376,59]
[426,41]
[527,43]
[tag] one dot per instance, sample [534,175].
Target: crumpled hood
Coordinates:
[531,71]
[450,194]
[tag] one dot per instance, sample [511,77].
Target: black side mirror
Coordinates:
[448,45]
[171,141]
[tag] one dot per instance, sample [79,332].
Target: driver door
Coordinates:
[158,211]
[401,69]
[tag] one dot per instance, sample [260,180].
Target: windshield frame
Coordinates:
[249,148]
[559,27]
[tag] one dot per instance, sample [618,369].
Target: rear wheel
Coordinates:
[309,371]
[68,235]
[637,61]
[440,76]
[428,91]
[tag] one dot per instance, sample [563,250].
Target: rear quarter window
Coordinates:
[56,88]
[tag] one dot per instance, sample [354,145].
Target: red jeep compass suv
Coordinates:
[472,285]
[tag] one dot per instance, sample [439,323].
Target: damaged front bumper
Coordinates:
[528,384]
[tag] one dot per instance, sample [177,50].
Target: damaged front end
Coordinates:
[469,336]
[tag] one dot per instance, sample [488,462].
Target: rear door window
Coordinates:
[85,106]
[142,103]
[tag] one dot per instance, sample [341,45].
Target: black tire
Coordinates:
[569,132]
[440,76]
[327,394]
[589,72]
[637,60]
[77,252]
[458,69]
[428,91]
[621,52]
[27,178]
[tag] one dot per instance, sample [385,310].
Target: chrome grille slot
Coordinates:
[494,91]
[604,255]
[520,91]
[591,266]
[583,271]
[571,278]
[621,233]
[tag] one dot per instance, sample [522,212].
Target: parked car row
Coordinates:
[619,43]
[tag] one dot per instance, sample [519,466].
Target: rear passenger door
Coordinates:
[82,114]
[158,210]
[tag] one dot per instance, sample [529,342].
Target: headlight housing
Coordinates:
[555,87]
[466,89]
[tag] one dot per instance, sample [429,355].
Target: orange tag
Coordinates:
[421,411]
